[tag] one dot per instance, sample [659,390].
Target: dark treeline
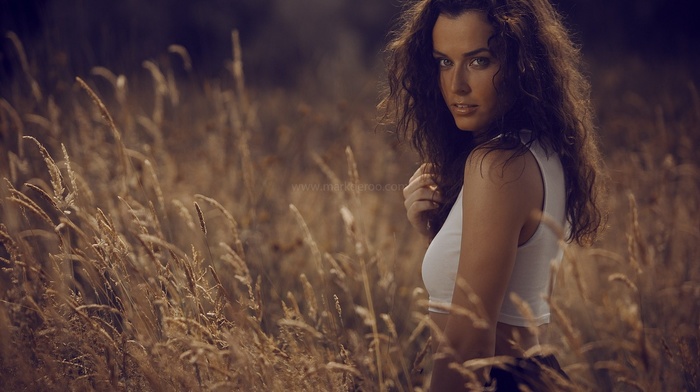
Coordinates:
[282,37]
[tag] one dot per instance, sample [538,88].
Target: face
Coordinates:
[468,70]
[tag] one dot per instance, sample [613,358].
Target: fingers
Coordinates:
[422,188]
[421,181]
[415,211]
[423,194]
[416,216]
[425,168]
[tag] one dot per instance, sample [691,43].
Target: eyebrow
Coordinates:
[468,54]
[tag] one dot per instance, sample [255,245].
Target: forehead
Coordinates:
[465,32]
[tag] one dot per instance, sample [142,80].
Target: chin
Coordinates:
[468,128]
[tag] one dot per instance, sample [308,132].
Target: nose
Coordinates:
[460,81]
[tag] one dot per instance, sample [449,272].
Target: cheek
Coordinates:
[486,90]
[442,85]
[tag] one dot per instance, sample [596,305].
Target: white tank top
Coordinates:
[531,279]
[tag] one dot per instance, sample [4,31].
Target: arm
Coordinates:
[497,201]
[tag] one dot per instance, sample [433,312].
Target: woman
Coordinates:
[491,96]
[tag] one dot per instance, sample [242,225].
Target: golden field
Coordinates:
[165,233]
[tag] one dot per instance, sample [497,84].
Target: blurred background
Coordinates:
[284,39]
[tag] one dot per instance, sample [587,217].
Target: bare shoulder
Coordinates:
[502,167]
[501,190]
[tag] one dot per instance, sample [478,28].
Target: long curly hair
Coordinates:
[547,91]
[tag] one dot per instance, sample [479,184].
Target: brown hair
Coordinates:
[549,96]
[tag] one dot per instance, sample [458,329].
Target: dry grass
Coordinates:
[157,237]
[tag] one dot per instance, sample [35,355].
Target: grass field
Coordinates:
[163,233]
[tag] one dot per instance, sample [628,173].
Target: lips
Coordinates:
[464,108]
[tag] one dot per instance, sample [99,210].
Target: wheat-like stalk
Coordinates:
[24,63]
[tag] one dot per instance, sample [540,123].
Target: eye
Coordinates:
[480,62]
[444,63]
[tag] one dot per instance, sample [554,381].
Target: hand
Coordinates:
[420,196]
